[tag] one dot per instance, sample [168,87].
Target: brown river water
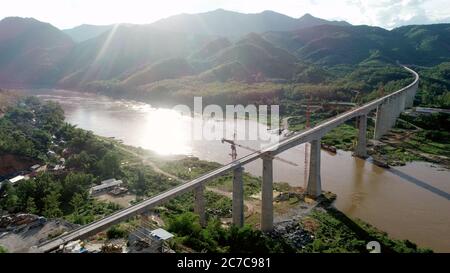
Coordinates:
[410,202]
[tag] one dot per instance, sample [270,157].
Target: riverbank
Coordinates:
[406,142]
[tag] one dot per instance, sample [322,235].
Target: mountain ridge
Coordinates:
[34,52]
[231,23]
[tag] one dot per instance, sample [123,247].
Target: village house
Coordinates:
[105,186]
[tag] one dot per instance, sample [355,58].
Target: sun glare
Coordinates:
[173,132]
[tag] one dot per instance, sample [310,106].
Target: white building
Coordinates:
[16,179]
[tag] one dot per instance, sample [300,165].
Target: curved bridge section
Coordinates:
[388,109]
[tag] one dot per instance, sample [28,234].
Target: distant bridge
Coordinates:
[388,109]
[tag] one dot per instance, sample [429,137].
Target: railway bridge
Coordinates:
[388,109]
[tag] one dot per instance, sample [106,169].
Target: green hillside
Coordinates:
[127,59]
[31,51]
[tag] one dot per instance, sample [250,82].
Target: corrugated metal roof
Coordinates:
[107,185]
[162,234]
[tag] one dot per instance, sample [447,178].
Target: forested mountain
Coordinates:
[330,45]
[31,51]
[268,46]
[233,24]
[124,50]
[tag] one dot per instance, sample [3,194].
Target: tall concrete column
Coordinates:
[395,111]
[411,102]
[199,204]
[389,115]
[403,98]
[408,94]
[267,195]
[314,187]
[238,197]
[411,96]
[361,145]
[415,88]
[381,121]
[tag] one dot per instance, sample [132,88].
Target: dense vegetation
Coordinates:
[216,238]
[335,233]
[3,250]
[434,86]
[30,130]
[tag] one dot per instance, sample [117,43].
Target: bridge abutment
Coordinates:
[267,194]
[238,197]
[361,145]
[199,206]
[314,187]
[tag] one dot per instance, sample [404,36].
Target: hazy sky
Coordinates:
[384,13]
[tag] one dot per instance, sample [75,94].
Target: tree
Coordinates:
[116,232]
[8,197]
[140,185]
[45,184]
[50,117]
[186,224]
[3,249]
[81,161]
[41,140]
[246,240]
[77,202]
[109,165]
[31,206]
[52,205]
[24,191]
[75,183]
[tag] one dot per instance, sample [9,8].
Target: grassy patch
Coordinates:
[342,137]
[336,233]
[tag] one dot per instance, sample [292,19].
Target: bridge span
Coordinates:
[388,109]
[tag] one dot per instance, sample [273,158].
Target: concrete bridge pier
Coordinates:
[382,120]
[414,92]
[314,187]
[267,194]
[238,197]
[408,98]
[411,94]
[403,98]
[394,105]
[393,110]
[199,204]
[400,106]
[361,145]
